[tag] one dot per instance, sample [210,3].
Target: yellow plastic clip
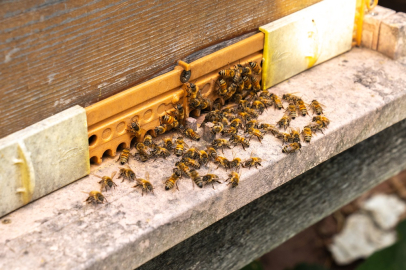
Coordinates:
[359,19]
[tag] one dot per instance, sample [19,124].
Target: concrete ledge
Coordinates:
[363,92]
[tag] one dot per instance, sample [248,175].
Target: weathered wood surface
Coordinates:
[76,52]
[267,222]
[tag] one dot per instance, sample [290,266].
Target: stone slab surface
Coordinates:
[42,158]
[364,93]
[392,36]
[372,26]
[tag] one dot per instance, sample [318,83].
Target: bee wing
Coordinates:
[98,176]
[147,175]
[113,174]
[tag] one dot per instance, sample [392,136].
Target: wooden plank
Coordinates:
[63,53]
[267,222]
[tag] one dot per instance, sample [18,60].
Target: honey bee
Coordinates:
[316,107]
[302,107]
[184,169]
[255,132]
[212,153]
[251,112]
[247,82]
[229,131]
[192,153]
[124,156]
[307,134]
[237,97]
[322,119]
[284,122]
[225,121]
[252,161]
[276,101]
[265,94]
[267,103]
[145,184]
[243,104]
[134,128]
[194,175]
[268,127]
[291,148]
[177,171]
[255,67]
[227,73]
[295,135]
[230,111]
[251,124]
[180,147]
[142,151]
[162,129]
[203,157]
[258,105]
[222,90]
[168,143]
[107,181]
[246,71]
[317,126]
[191,162]
[220,143]
[148,140]
[191,89]
[217,128]
[172,181]
[231,90]
[245,116]
[210,179]
[255,84]
[238,68]
[240,86]
[237,76]
[190,133]
[291,110]
[95,197]
[126,173]
[290,98]
[205,103]
[168,119]
[222,161]
[235,163]
[158,151]
[236,123]
[194,103]
[233,179]
[236,139]
[180,112]
[285,137]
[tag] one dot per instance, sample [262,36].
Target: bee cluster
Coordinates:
[236,124]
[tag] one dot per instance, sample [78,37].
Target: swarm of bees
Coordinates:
[234,125]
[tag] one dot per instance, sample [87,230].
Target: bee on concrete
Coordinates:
[212,153]
[291,148]
[142,151]
[238,68]
[255,84]
[184,169]
[267,103]
[222,90]
[231,90]
[172,181]
[268,128]
[276,101]
[162,129]
[205,103]
[265,94]
[322,119]
[95,197]
[191,89]
[194,175]
[222,161]
[252,161]
[258,105]
[236,139]
[295,135]
[227,116]
[291,111]
[203,157]
[177,171]
[134,127]
[251,112]
[191,134]
[148,140]
[107,181]
[168,143]
[255,132]
[227,73]
[180,146]
[228,131]
[168,119]
[245,116]
[236,123]
[225,121]
[235,163]
[192,153]
[317,126]
[220,143]
[237,97]
[255,67]
[246,71]
[145,184]
[158,151]
[243,104]
[210,179]
[301,107]
[233,179]
[217,128]
[316,107]
[290,98]
[194,103]
[251,124]
[124,156]
[229,111]
[307,134]
[126,173]
[285,137]
[247,82]
[284,122]
[191,162]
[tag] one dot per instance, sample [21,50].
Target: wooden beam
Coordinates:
[62,53]
[267,222]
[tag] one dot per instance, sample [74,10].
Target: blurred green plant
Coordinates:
[255,265]
[305,266]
